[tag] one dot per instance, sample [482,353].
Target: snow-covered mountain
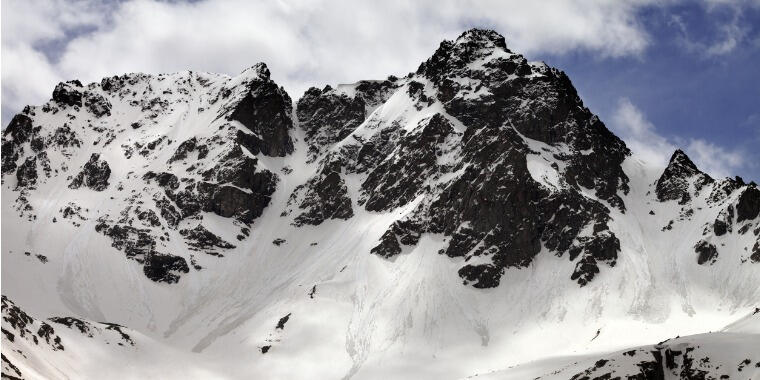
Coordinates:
[472,218]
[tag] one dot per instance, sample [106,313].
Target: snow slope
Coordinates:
[235,234]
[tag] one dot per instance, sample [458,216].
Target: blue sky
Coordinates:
[685,89]
[662,74]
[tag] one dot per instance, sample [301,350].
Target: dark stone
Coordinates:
[82,326]
[748,206]
[401,232]
[281,323]
[68,93]
[164,179]
[95,174]
[161,267]
[673,184]
[720,227]
[139,245]
[64,137]
[48,333]
[18,132]
[203,239]
[187,146]
[707,252]
[26,174]
[397,181]
[168,212]
[265,111]
[327,118]
[324,196]
[97,104]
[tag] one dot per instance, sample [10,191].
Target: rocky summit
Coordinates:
[473,217]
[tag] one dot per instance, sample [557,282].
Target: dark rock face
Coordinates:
[68,93]
[202,239]
[281,323]
[400,232]
[89,329]
[673,184]
[748,206]
[323,197]
[495,208]
[139,245]
[97,104]
[16,322]
[234,187]
[475,184]
[539,102]
[18,132]
[265,111]
[707,252]
[26,174]
[94,174]
[328,117]
[164,179]
[720,227]
[188,146]
[398,180]
[161,267]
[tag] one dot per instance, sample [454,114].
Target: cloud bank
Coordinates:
[304,42]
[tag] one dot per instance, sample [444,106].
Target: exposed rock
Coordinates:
[324,196]
[139,245]
[202,239]
[16,322]
[94,174]
[748,206]
[68,93]
[164,179]
[97,104]
[26,174]
[720,227]
[281,323]
[187,146]
[707,252]
[397,180]
[64,137]
[18,132]
[265,111]
[162,267]
[328,117]
[239,189]
[674,182]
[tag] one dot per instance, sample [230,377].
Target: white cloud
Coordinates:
[642,138]
[305,42]
[729,34]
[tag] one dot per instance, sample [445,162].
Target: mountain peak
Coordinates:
[259,70]
[673,184]
[681,160]
[483,38]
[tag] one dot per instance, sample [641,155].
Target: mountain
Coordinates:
[470,218]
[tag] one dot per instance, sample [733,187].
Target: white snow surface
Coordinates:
[370,318]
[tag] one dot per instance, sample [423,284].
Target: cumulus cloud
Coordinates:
[641,135]
[305,42]
[649,145]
